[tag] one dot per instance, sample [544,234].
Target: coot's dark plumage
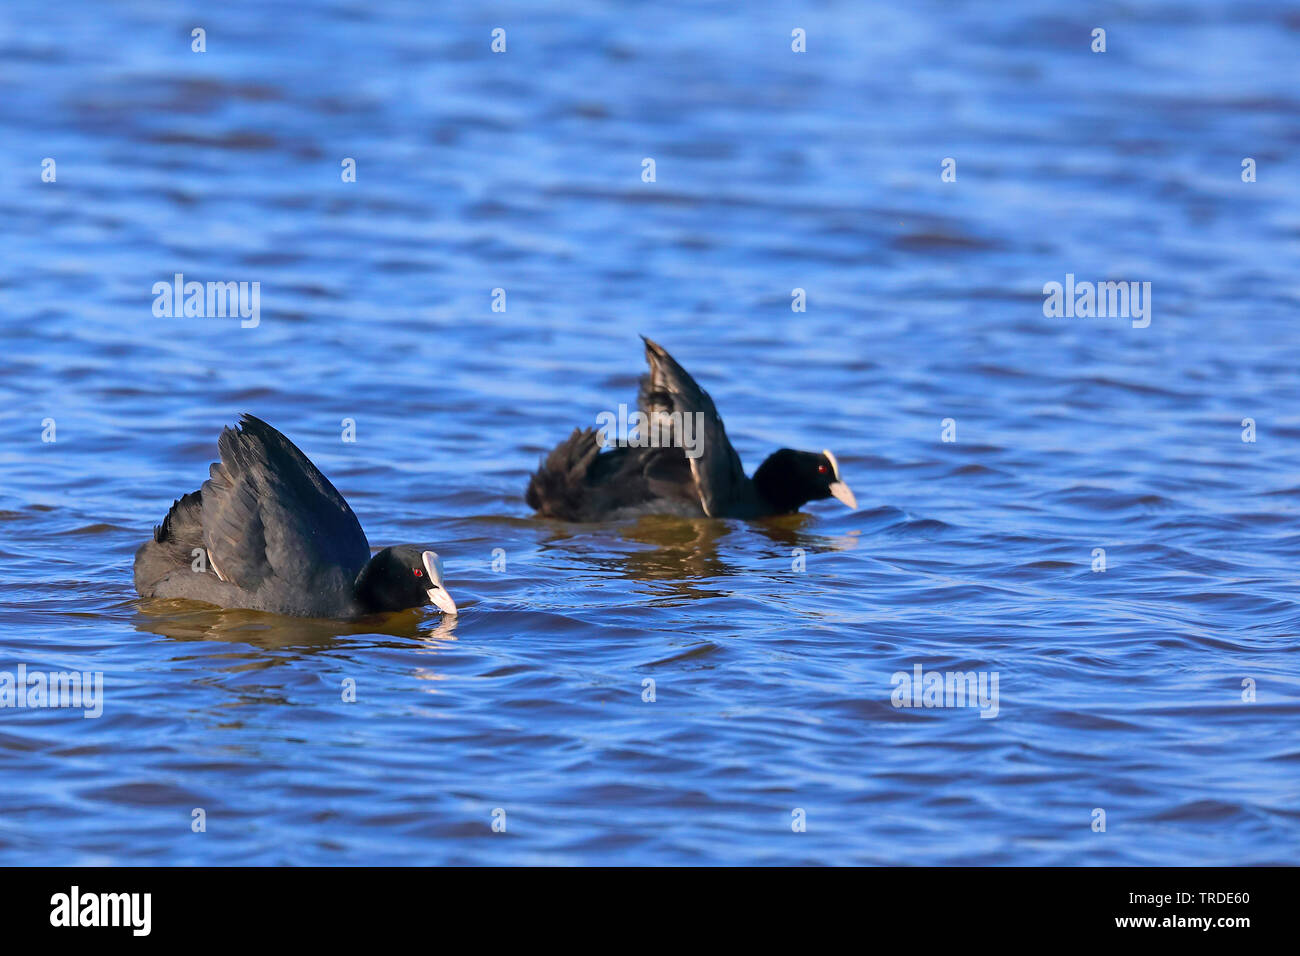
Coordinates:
[577,482]
[267,531]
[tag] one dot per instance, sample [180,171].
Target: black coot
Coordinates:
[684,466]
[267,531]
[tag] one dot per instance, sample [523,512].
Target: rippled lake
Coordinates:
[1104,531]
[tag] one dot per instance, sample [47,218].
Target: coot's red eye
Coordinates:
[821,469]
[418,572]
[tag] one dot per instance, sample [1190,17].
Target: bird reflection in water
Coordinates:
[182,620]
[684,553]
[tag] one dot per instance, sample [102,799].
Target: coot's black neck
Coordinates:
[777,486]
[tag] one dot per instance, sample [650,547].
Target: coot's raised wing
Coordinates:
[668,389]
[271,520]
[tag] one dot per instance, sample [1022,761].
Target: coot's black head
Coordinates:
[789,479]
[403,576]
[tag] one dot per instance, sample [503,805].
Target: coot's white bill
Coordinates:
[438,592]
[838,488]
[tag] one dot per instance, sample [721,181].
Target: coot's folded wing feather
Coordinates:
[668,388]
[271,517]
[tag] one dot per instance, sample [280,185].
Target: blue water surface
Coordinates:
[771,646]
